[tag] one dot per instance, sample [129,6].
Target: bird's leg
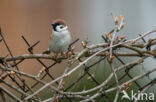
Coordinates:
[56,57]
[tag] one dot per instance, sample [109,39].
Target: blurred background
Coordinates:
[87,19]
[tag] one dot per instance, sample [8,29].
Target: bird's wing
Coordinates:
[51,36]
[46,51]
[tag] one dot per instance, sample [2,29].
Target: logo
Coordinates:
[137,96]
[125,95]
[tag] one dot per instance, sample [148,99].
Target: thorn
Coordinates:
[142,60]
[122,37]
[121,17]
[43,69]
[111,13]
[110,35]
[107,54]
[127,89]
[70,53]
[106,34]
[83,44]
[122,25]
[63,84]
[116,20]
[149,55]
[37,95]
[56,99]
[66,75]
[126,84]
[12,73]
[150,40]
[112,57]
[132,41]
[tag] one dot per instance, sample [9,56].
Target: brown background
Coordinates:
[86,19]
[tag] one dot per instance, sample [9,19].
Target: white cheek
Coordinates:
[60,30]
[62,33]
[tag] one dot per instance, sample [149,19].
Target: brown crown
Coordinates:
[60,21]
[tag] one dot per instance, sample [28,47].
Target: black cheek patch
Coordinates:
[55,25]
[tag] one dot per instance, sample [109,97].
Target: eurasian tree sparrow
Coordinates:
[60,37]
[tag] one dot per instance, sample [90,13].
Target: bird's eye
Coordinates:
[61,27]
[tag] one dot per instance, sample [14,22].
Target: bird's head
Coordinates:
[59,25]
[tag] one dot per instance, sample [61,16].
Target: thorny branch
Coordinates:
[110,50]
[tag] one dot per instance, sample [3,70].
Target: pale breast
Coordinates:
[59,42]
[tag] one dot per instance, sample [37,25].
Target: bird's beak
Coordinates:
[52,24]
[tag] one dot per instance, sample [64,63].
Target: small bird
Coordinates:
[60,37]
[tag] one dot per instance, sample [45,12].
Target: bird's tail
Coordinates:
[46,51]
